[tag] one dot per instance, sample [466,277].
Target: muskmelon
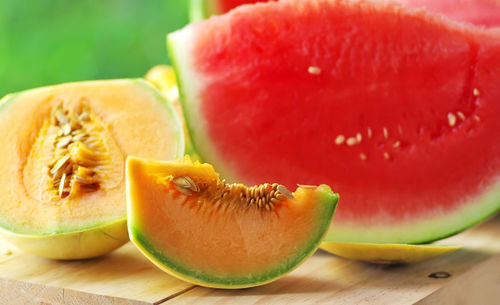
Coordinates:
[63,160]
[203,230]
[397,108]
[387,254]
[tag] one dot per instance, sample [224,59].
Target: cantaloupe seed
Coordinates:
[78,150]
[265,196]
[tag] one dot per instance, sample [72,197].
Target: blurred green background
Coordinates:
[45,42]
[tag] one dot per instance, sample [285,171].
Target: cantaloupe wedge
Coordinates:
[205,231]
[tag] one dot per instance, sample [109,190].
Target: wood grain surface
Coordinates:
[125,277]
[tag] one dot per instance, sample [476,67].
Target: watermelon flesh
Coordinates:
[227,5]
[396,109]
[480,12]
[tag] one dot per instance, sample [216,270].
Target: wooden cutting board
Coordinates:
[125,277]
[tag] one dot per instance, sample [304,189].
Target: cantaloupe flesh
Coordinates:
[137,121]
[225,247]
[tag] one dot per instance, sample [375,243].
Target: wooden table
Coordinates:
[125,277]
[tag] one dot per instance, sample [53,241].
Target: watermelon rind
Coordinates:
[442,225]
[201,9]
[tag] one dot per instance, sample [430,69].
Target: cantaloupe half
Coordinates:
[201,229]
[63,158]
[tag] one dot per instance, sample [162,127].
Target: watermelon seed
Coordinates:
[452,119]
[461,115]
[369,132]
[476,92]
[362,156]
[400,129]
[477,118]
[314,70]
[386,155]
[283,190]
[359,137]
[339,140]
[386,132]
[351,141]
[396,144]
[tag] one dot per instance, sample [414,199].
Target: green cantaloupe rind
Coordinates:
[441,225]
[86,243]
[327,203]
[96,237]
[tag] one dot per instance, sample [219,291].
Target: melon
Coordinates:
[63,162]
[396,109]
[163,78]
[205,231]
[387,254]
[480,12]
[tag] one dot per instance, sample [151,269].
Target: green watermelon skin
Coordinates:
[395,108]
[479,12]
[202,9]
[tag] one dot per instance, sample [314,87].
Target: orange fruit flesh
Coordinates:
[121,107]
[230,239]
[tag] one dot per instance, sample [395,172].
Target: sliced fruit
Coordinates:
[395,108]
[387,253]
[480,12]
[163,78]
[202,9]
[205,231]
[63,162]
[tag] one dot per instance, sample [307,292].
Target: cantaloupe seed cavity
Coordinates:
[73,154]
[265,196]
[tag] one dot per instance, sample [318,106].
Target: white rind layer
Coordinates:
[180,46]
[442,224]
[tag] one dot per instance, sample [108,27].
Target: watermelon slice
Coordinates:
[396,109]
[481,12]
